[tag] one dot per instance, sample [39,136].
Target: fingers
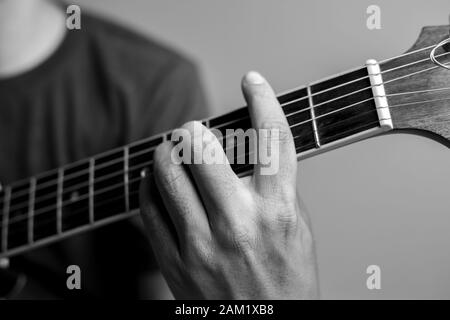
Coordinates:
[277,160]
[157,223]
[179,195]
[216,181]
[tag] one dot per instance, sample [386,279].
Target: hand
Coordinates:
[216,236]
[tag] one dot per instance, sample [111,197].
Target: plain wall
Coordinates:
[385,201]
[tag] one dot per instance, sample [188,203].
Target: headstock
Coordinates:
[418,90]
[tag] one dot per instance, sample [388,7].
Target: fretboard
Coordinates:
[105,188]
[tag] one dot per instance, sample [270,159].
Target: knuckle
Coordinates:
[171,178]
[202,252]
[242,238]
[209,141]
[288,196]
[200,256]
[192,127]
[230,192]
[283,215]
[287,220]
[196,141]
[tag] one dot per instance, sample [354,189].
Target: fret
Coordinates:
[5,217]
[139,155]
[31,209]
[125,178]
[91,189]
[102,189]
[45,221]
[108,184]
[297,107]
[2,201]
[344,83]
[18,214]
[59,200]
[313,118]
[344,110]
[75,196]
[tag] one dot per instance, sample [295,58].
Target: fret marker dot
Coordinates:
[4,263]
[74,196]
[143,173]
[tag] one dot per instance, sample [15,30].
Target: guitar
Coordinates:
[410,92]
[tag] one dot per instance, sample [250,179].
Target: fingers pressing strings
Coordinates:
[211,171]
[179,195]
[275,138]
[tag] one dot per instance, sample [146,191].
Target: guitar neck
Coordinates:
[102,189]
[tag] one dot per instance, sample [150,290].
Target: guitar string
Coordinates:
[46,221]
[75,187]
[407,53]
[383,72]
[362,89]
[122,184]
[285,104]
[82,172]
[291,102]
[323,114]
[139,166]
[150,162]
[120,172]
[410,53]
[43,223]
[24,204]
[76,212]
[331,100]
[337,86]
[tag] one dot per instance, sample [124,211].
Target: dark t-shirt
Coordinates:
[102,88]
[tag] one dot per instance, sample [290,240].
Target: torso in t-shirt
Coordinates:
[102,88]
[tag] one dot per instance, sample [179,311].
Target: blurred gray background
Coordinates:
[385,201]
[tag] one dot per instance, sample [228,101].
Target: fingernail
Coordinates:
[254,77]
